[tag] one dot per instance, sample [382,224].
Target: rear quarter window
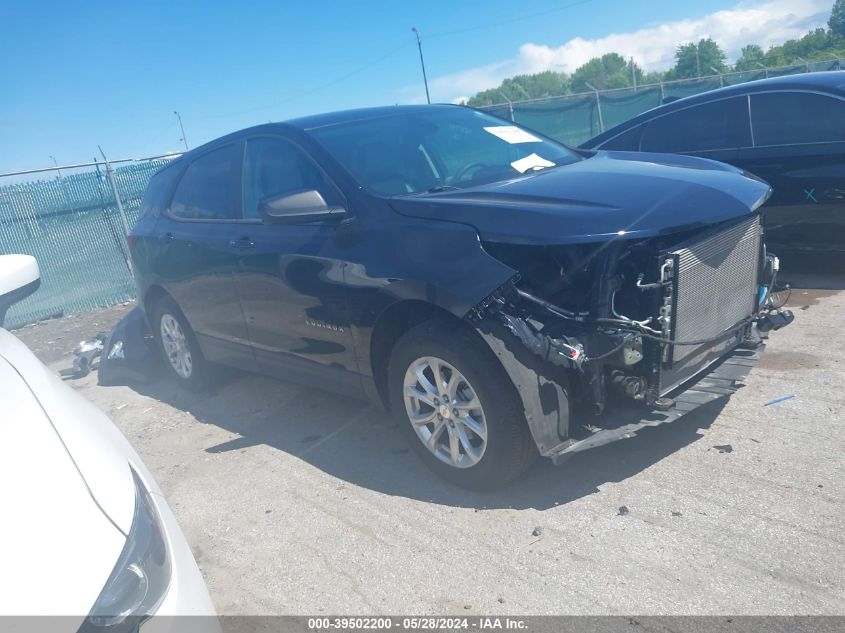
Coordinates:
[210,188]
[158,192]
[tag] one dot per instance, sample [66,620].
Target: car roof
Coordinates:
[312,122]
[832,82]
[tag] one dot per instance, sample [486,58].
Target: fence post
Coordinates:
[598,107]
[110,174]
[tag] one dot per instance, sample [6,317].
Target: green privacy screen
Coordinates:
[573,119]
[71,223]
[72,226]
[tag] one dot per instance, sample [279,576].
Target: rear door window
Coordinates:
[711,126]
[792,118]
[210,189]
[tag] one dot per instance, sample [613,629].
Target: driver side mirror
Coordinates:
[19,278]
[297,208]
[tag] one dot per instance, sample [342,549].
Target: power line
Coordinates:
[318,88]
[511,20]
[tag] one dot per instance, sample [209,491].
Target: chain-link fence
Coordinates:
[71,223]
[573,119]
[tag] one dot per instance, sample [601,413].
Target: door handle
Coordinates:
[242,243]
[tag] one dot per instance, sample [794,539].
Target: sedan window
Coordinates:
[790,118]
[711,126]
[437,149]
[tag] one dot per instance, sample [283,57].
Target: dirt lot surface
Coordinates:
[297,501]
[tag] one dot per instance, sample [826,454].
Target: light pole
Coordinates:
[181,127]
[422,63]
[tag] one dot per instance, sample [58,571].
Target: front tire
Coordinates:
[178,346]
[457,407]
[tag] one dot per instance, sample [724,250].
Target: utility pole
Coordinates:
[181,127]
[422,63]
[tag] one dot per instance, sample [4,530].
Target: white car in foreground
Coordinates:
[85,531]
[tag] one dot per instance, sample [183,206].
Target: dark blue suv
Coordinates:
[501,294]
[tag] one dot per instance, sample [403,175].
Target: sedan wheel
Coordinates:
[445,412]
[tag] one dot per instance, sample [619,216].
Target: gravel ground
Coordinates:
[297,501]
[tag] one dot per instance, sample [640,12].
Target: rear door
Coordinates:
[799,148]
[203,236]
[291,281]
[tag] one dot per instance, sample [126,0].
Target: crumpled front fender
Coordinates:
[542,387]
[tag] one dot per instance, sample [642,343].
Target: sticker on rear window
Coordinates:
[532,161]
[512,134]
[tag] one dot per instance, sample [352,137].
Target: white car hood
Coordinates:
[101,453]
[57,546]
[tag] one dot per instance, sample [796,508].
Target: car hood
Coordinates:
[58,546]
[606,195]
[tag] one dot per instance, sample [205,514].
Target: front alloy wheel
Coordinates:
[445,412]
[456,406]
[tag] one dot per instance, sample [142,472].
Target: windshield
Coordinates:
[437,150]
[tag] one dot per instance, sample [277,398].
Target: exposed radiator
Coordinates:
[715,287]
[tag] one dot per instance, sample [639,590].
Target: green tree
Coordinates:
[520,87]
[698,59]
[837,19]
[752,55]
[605,72]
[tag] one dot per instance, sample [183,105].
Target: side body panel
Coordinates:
[807,208]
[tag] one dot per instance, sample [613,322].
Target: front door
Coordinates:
[290,281]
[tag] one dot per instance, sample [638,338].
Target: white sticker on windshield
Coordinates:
[532,161]
[512,134]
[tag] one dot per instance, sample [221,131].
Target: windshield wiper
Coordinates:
[440,188]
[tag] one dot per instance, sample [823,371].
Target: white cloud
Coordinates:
[653,48]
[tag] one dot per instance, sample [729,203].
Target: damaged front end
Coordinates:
[602,340]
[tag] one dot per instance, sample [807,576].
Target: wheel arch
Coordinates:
[395,321]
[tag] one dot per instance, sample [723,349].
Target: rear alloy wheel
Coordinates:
[179,347]
[457,407]
[176,348]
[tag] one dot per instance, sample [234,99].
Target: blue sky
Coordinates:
[75,75]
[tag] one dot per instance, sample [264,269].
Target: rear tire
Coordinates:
[178,347]
[477,407]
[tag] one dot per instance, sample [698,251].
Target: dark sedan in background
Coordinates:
[789,131]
